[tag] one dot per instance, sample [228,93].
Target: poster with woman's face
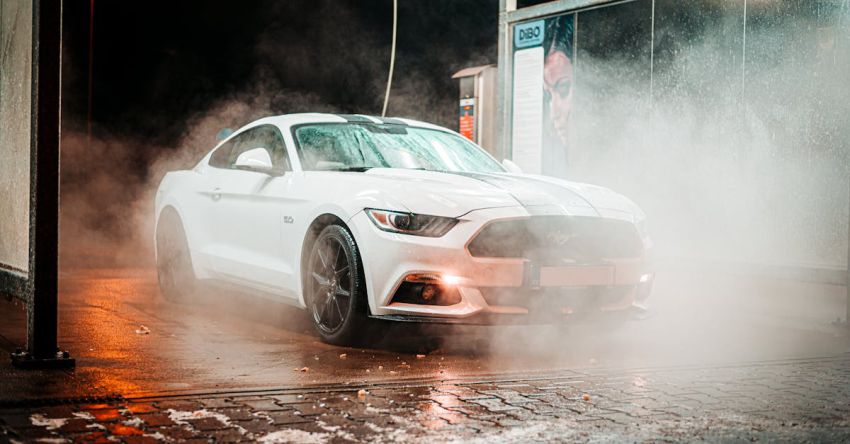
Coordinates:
[558,81]
[543,95]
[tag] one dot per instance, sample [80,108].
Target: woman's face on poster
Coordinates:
[558,85]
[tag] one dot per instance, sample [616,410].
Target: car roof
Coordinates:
[286,120]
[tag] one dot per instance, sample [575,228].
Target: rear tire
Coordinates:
[175,274]
[335,288]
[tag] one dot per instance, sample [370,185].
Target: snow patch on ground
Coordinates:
[533,431]
[157,436]
[40,420]
[337,431]
[294,436]
[134,422]
[84,415]
[397,433]
[183,418]
[263,416]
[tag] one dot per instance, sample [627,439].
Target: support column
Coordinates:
[42,350]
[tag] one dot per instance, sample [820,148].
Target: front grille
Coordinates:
[558,239]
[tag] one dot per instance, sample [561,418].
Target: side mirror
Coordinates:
[256,159]
[511,166]
[223,134]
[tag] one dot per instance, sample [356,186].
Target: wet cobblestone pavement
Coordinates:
[796,401]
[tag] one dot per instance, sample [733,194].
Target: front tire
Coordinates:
[175,274]
[336,289]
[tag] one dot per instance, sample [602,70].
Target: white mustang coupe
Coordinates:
[358,218]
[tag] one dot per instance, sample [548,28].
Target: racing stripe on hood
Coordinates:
[362,118]
[392,120]
[530,192]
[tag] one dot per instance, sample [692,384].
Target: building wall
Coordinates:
[15,123]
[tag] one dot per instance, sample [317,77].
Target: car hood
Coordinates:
[454,194]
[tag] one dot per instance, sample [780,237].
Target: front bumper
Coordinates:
[493,290]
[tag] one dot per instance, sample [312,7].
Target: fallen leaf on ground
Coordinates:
[585,397]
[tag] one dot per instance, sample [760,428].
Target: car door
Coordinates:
[247,213]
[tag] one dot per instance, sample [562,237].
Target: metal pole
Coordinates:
[44,190]
[392,59]
[90,74]
[41,339]
[503,77]
[845,13]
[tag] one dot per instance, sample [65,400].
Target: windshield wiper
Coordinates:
[353,168]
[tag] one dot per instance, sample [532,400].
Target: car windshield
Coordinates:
[358,147]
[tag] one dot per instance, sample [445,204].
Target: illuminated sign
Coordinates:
[529,34]
[467,118]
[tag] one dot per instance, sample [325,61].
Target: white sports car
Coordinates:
[355,217]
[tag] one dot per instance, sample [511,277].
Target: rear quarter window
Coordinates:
[221,156]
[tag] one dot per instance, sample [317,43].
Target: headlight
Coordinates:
[409,223]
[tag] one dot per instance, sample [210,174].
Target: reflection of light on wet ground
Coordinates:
[223,341]
[107,343]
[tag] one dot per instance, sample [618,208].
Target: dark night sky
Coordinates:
[157,63]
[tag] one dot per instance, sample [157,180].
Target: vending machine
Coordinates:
[477,105]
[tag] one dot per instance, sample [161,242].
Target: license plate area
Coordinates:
[570,275]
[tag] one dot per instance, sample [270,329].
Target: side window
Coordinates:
[269,137]
[241,143]
[221,156]
[266,136]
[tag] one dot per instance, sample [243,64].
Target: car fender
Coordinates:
[345,214]
[167,196]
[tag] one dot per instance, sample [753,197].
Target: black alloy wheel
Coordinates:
[173,263]
[335,287]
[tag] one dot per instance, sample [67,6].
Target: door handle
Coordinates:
[216,194]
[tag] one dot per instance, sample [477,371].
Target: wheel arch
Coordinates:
[318,224]
[170,208]
[167,209]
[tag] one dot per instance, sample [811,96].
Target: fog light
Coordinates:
[450,279]
[430,292]
[424,289]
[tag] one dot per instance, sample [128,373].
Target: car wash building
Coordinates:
[727,121]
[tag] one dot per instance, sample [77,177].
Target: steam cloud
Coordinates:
[731,163]
[746,166]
